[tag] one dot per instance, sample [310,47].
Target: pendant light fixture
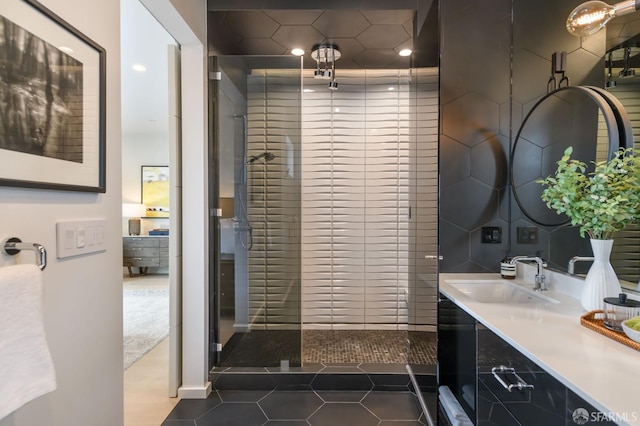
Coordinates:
[591,16]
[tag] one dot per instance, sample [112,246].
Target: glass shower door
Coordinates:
[257,304]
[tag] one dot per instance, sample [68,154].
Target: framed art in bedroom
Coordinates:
[52,102]
[155,190]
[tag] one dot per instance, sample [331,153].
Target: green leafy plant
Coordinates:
[600,202]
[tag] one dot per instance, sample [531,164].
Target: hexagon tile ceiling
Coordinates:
[366,38]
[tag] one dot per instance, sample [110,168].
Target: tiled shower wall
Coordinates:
[495,65]
[369,200]
[359,207]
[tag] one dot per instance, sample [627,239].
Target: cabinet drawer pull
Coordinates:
[520,385]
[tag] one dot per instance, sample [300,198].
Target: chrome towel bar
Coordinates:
[13,246]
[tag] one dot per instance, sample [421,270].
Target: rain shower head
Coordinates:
[268,156]
[327,54]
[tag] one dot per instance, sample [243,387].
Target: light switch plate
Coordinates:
[527,235]
[78,237]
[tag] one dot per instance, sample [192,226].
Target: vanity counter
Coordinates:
[603,372]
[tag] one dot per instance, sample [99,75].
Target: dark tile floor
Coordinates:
[299,408]
[268,347]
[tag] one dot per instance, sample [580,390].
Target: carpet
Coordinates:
[145,322]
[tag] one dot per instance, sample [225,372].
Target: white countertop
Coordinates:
[600,370]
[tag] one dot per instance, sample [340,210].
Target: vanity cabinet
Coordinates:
[457,354]
[145,252]
[513,387]
[481,376]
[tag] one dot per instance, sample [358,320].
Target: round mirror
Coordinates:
[587,118]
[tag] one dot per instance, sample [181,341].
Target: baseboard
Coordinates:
[195,392]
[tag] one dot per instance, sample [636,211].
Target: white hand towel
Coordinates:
[26,368]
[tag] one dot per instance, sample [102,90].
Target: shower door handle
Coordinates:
[433,257]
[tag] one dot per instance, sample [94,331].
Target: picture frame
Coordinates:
[52,102]
[155,190]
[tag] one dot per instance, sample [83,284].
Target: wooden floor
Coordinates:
[145,389]
[146,382]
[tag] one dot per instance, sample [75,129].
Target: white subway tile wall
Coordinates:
[368,200]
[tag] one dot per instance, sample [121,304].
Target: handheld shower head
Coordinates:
[268,156]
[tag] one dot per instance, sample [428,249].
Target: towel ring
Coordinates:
[12,246]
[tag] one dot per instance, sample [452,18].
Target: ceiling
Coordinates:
[144,94]
[366,38]
[368,33]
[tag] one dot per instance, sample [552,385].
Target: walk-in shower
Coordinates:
[334,198]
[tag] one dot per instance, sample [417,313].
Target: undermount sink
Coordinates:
[499,291]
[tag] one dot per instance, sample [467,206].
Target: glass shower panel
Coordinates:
[258,305]
[423,258]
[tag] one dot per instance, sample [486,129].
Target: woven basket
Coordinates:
[590,321]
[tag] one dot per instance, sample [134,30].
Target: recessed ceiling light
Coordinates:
[405,52]
[297,51]
[391,88]
[65,49]
[139,67]
[308,90]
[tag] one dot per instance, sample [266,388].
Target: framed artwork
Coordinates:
[155,190]
[52,102]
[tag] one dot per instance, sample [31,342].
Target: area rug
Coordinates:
[145,322]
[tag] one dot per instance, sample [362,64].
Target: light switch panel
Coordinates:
[78,237]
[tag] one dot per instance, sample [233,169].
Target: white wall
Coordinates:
[82,299]
[139,150]
[186,21]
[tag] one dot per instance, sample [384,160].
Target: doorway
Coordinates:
[149,58]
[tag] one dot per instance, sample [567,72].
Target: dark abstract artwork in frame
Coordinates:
[52,102]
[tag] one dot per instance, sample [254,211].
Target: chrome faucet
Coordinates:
[540,284]
[572,263]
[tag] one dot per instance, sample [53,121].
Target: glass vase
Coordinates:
[601,280]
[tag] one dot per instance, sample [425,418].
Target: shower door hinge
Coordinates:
[217,76]
[216,212]
[217,347]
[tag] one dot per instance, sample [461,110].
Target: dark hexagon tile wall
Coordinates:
[489,255]
[470,119]
[457,158]
[452,239]
[489,161]
[530,76]
[476,38]
[471,204]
